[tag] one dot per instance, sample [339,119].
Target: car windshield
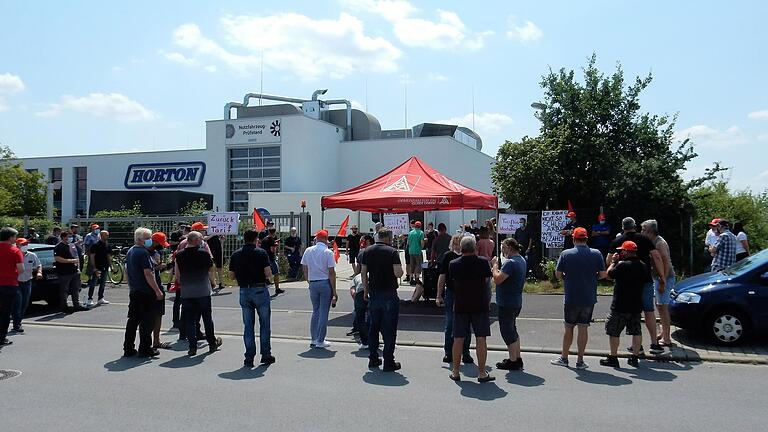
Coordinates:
[45,256]
[748,264]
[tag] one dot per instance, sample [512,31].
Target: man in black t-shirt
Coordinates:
[469,278]
[217,252]
[292,249]
[269,244]
[100,254]
[380,270]
[567,231]
[445,299]
[68,269]
[629,274]
[353,248]
[647,253]
[251,267]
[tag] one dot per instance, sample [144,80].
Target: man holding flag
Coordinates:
[268,242]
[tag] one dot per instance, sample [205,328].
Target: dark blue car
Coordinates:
[728,306]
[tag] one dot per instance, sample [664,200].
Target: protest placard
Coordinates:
[223,223]
[552,221]
[398,223]
[509,222]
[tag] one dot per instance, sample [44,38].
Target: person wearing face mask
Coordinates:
[32,269]
[601,235]
[143,296]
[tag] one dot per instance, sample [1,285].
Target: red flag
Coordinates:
[258,222]
[570,206]
[342,233]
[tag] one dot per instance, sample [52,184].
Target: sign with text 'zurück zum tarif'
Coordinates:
[223,223]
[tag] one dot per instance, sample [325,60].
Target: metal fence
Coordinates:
[121,229]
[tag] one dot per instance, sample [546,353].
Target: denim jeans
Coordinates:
[360,323]
[7,296]
[320,295]
[21,302]
[384,312]
[193,309]
[101,280]
[448,347]
[255,300]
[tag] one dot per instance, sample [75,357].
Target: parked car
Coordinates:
[48,287]
[729,306]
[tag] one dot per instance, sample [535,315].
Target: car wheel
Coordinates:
[728,327]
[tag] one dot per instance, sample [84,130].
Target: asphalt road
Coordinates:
[73,379]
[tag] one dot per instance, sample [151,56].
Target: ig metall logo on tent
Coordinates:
[401,183]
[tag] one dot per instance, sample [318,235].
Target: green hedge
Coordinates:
[41,225]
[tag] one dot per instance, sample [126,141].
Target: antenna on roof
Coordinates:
[405,87]
[473,107]
[366,95]
[261,77]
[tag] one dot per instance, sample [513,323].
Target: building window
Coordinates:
[54,176]
[254,169]
[81,191]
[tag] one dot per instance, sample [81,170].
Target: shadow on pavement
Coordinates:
[122,364]
[185,361]
[524,379]
[389,379]
[317,353]
[601,378]
[245,373]
[481,391]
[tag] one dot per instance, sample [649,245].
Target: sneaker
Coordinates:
[89,303]
[18,329]
[467,359]
[447,359]
[610,361]
[642,351]
[581,365]
[391,367]
[267,359]
[374,363]
[656,349]
[215,346]
[323,344]
[151,353]
[517,365]
[313,344]
[6,342]
[633,361]
[129,352]
[279,291]
[505,364]
[363,346]
[248,363]
[192,352]
[102,301]
[559,361]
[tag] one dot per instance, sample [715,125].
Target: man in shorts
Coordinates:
[510,280]
[468,277]
[629,273]
[580,267]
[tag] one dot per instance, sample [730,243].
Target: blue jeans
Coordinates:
[320,294]
[360,323]
[21,302]
[384,310]
[255,300]
[448,347]
[101,280]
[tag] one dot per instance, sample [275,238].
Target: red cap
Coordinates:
[198,226]
[417,224]
[571,214]
[714,222]
[161,239]
[601,217]
[95,226]
[322,234]
[580,233]
[21,241]
[628,246]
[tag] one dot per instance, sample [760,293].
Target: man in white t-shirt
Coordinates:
[710,240]
[320,268]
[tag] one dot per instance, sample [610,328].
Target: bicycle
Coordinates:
[117,266]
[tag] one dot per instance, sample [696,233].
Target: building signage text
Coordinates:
[165,175]
[250,131]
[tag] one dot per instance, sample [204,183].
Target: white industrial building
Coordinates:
[270,156]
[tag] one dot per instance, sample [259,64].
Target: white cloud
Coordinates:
[485,123]
[528,32]
[111,105]
[437,77]
[758,115]
[306,47]
[179,58]
[10,84]
[705,136]
[117,69]
[447,31]
[3,106]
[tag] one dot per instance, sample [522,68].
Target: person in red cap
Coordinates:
[580,267]
[710,240]
[33,269]
[11,266]
[628,273]
[416,241]
[320,269]
[159,243]
[567,231]
[601,235]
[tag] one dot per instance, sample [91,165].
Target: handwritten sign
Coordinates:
[398,223]
[223,223]
[509,223]
[552,221]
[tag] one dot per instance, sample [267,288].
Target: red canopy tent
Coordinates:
[411,186]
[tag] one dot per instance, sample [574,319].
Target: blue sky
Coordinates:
[95,77]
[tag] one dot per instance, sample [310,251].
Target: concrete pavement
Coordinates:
[75,380]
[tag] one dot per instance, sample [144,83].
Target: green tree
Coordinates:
[21,192]
[194,208]
[596,148]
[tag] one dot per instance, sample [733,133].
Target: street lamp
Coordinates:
[538,106]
